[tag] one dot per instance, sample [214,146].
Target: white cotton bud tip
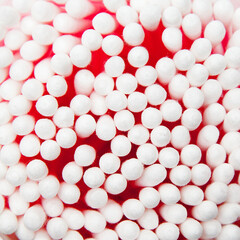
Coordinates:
[85,126]
[114,5]
[228,213]
[103,84]
[57,228]
[126,83]
[104,23]
[64,44]
[61,64]
[23,232]
[201,49]
[120,146]
[201,174]
[114,66]
[169,193]
[69,193]
[231,99]
[92,39]
[73,235]
[172,39]
[23,125]
[223,173]
[167,231]
[19,105]
[214,114]
[133,34]
[32,89]
[6,188]
[27,25]
[191,155]
[229,231]
[47,105]
[234,40]
[112,45]
[94,221]
[109,163]
[127,230]
[138,57]
[49,187]
[17,204]
[180,137]
[45,129]
[41,234]
[10,89]
[34,217]
[84,155]
[153,175]
[205,211]
[171,17]
[147,153]
[5,115]
[74,218]
[233,159]
[23,6]
[197,75]
[43,70]
[149,220]
[233,193]
[193,98]
[169,157]
[137,102]
[80,56]
[107,234]
[184,60]
[216,192]
[57,86]
[229,79]
[2,203]
[80,104]
[171,111]
[10,154]
[36,170]
[232,57]
[180,175]
[211,229]
[115,184]
[146,75]
[133,209]
[149,197]
[8,222]
[9,16]
[191,229]
[29,145]
[232,120]
[126,15]
[191,195]
[215,63]
[138,135]
[177,86]
[175,213]
[20,70]
[93,177]
[160,136]
[132,169]
[6,57]
[29,191]
[124,120]
[96,198]
[3,169]
[7,134]
[66,138]
[207,136]
[231,141]
[191,118]
[72,173]
[192,26]
[79,9]
[50,150]
[16,174]
[98,104]
[151,118]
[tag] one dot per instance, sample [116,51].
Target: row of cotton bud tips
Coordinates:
[119,119]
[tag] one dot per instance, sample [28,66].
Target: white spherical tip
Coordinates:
[120,146]
[36,170]
[215,63]
[34,217]
[152,175]
[180,175]
[6,188]
[229,78]
[85,126]
[24,232]
[133,34]
[126,83]
[61,64]
[230,141]
[133,209]
[175,213]
[29,145]
[149,197]
[229,230]
[29,191]
[32,89]
[66,137]
[232,120]
[114,66]
[47,105]
[10,154]
[233,193]
[69,193]
[228,213]
[84,155]
[64,44]
[214,114]
[191,119]
[191,155]
[17,204]
[126,15]
[80,56]
[14,39]
[5,115]
[124,120]
[171,17]
[146,75]
[16,174]
[7,134]
[191,195]
[49,187]
[151,118]
[233,159]
[180,137]
[147,153]
[193,98]
[138,135]
[137,102]
[104,23]
[169,157]
[155,94]
[72,173]
[92,39]
[74,218]
[115,184]
[172,39]
[232,57]
[138,56]
[93,177]
[127,230]
[132,169]
[109,163]
[57,228]
[8,222]
[191,229]
[112,45]
[80,104]
[184,60]
[223,173]
[73,235]
[50,150]
[45,129]
[211,229]
[216,192]
[98,104]
[106,234]
[167,231]
[57,86]
[169,193]
[6,57]
[10,89]
[171,111]
[201,49]
[43,70]
[231,99]
[114,5]
[160,136]
[83,82]
[96,198]
[197,75]
[94,221]
[27,25]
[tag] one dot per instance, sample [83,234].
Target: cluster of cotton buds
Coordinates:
[168,130]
